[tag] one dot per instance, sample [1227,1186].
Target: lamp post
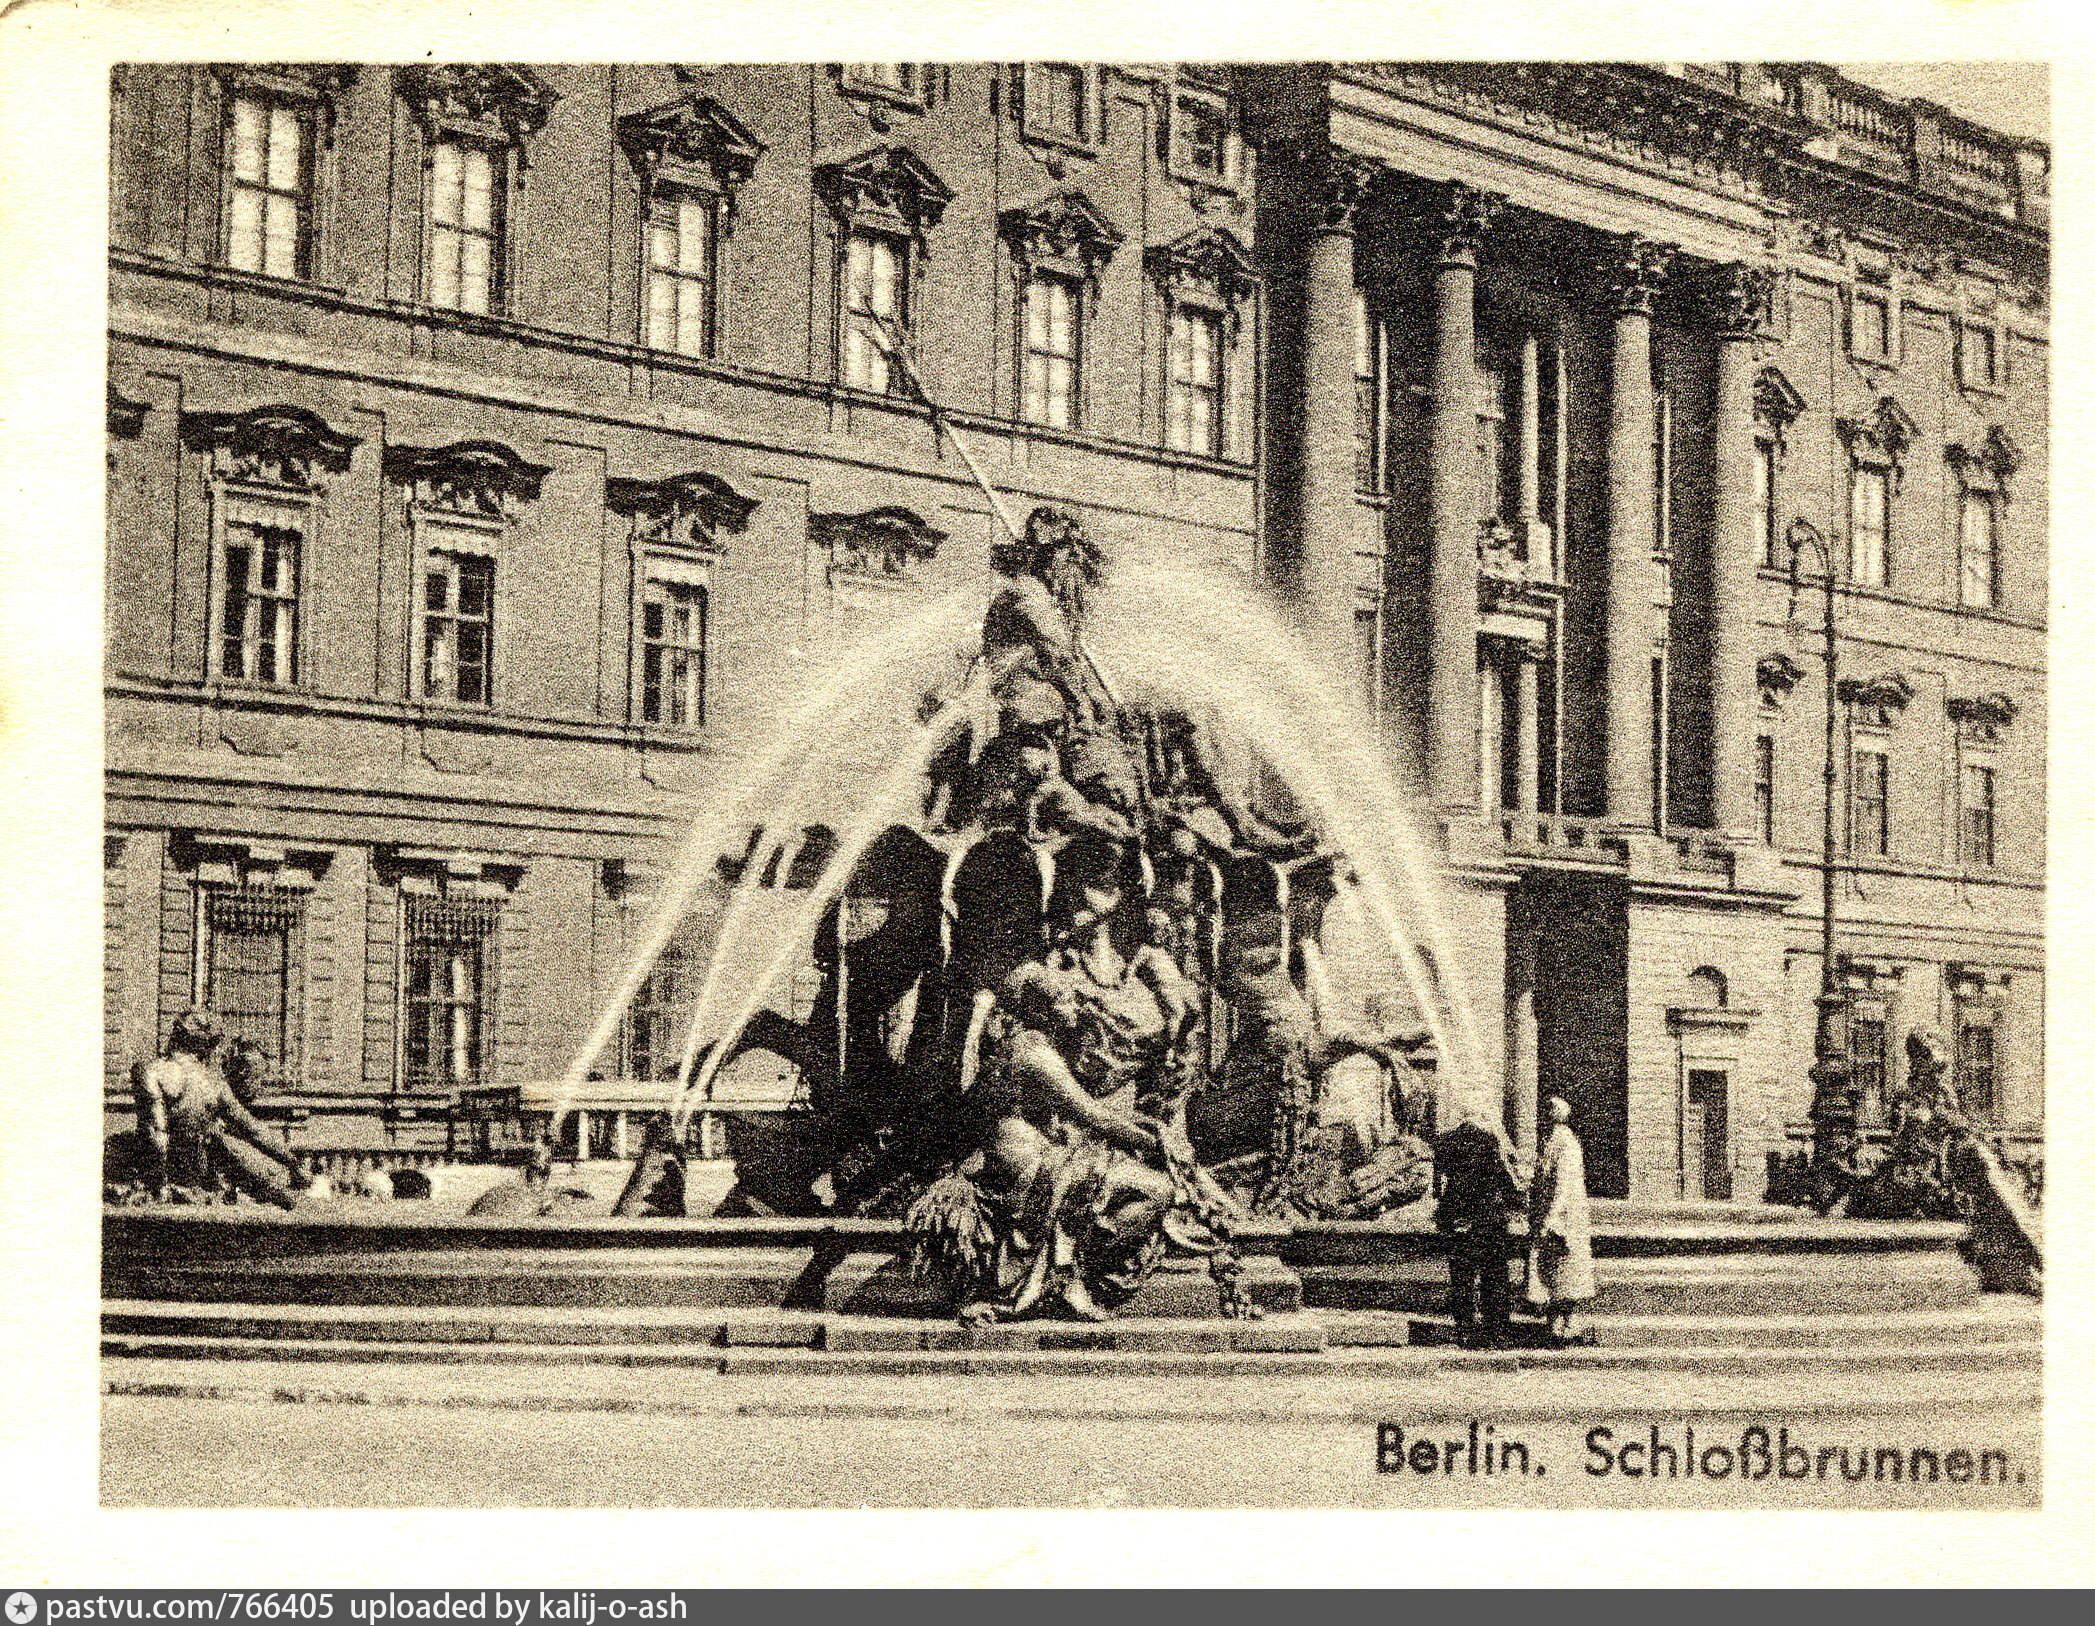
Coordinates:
[1833,1107]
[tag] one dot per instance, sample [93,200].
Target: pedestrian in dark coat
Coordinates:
[1478,1190]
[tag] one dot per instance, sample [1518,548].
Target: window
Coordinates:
[1661,753]
[1870,326]
[1495,452]
[1054,349]
[876,297]
[269,174]
[1869,1054]
[1977,849]
[1764,514]
[673,653]
[248,964]
[1058,100]
[1367,395]
[1978,355]
[447,988]
[900,80]
[1200,145]
[1764,787]
[681,244]
[468,182]
[1869,507]
[661,1009]
[258,600]
[458,592]
[1978,550]
[1869,784]
[1193,383]
[1977,1068]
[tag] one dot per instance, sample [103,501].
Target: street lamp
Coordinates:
[1833,1106]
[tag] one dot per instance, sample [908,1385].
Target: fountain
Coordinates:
[1064,882]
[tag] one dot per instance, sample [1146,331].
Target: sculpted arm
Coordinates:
[152,1113]
[1037,1065]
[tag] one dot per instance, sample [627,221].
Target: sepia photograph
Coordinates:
[1151,784]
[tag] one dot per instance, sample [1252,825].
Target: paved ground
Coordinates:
[289,1435]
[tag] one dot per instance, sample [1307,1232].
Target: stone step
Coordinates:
[1693,1284]
[2014,1358]
[1917,1335]
[742,1278]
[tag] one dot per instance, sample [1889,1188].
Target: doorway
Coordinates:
[1706,1136]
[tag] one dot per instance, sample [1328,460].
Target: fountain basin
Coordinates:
[1654,1261]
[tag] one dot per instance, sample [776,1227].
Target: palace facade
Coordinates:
[491,445]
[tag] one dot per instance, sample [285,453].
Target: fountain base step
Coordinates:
[1997,1334]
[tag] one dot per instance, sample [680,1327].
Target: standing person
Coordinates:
[1560,1230]
[1474,1178]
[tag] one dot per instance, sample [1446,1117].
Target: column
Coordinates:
[1527,722]
[1528,424]
[1523,1042]
[1329,511]
[1737,298]
[1453,504]
[1637,273]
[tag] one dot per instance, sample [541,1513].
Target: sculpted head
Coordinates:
[1053,548]
[196,1031]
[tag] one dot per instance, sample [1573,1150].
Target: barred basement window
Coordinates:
[248,965]
[447,992]
[656,1019]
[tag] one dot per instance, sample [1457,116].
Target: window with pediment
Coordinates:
[267,482]
[476,122]
[1206,282]
[278,121]
[1985,469]
[1776,406]
[1059,251]
[679,529]
[463,501]
[692,158]
[1877,443]
[883,203]
[1875,312]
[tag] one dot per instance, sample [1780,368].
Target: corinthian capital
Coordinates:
[1636,273]
[1339,184]
[1737,297]
[1457,217]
